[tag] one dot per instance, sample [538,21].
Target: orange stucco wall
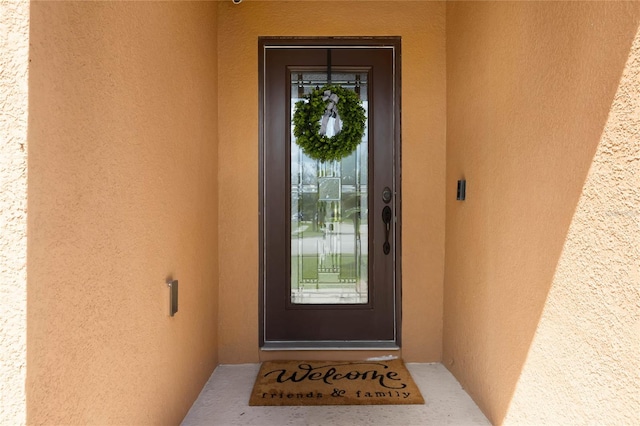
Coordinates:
[530,88]
[143,164]
[122,194]
[422,28]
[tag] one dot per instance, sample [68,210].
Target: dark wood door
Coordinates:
[329,230]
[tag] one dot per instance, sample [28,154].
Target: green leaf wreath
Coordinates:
[309,113]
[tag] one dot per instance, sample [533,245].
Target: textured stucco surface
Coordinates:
[421,26]
[541,274]
[14,66]
[122,194]
[584,363]
[529,88]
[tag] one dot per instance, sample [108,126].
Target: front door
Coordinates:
[329,229]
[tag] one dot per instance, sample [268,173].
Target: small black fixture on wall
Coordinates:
[173,296]
[462,190]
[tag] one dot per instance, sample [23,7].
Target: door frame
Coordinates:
[394,43]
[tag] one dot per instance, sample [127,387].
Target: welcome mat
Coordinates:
[334,383]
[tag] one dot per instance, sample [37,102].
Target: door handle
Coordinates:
[386,219]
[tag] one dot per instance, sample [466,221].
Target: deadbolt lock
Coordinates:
[386,195]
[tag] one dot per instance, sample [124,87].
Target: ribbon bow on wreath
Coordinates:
[330,111]
[311,118]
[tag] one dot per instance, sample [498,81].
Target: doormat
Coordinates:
[334,383]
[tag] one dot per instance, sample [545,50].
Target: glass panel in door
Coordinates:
[329,214]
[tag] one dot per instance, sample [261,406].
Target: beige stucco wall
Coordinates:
[14,67]
[421,25]
[542,258]
[122,194]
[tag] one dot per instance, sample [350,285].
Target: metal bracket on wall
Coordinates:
[173,296]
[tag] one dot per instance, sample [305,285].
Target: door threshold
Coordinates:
[330,345]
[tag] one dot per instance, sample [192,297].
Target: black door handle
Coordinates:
[386,218]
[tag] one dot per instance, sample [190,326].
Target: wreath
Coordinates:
[311,118]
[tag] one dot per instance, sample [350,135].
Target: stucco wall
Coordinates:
[584,363]
[421,25]
[14,66]
[122,194]
[529,89]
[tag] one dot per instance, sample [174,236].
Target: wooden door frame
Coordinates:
[329,42]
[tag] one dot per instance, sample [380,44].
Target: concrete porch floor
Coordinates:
[224,401]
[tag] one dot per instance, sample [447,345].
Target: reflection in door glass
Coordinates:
[329,232]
